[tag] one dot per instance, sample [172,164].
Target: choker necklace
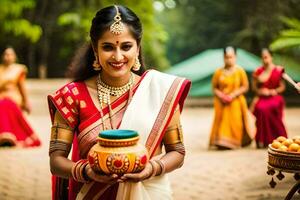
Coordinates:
[104,92]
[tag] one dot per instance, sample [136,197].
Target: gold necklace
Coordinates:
[104,92]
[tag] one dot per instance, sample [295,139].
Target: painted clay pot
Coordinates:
[118,152]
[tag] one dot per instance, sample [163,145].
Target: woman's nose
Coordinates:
[118,55]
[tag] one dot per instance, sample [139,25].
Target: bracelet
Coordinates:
[162,167]
[154,169]
[78,171]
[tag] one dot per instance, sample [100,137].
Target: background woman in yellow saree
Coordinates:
[229,84]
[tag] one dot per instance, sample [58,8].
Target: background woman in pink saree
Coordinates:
[111,91]
[14,128]
[268,103]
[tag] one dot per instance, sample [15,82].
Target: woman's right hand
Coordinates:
[264,92]
[226,98]
[26,107]
[92,175]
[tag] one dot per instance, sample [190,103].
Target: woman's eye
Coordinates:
[126,47]
[107,47]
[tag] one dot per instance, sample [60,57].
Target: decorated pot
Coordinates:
[118,152]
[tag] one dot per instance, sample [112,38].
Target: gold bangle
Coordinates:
[162,167]
[154,169]
[77,171]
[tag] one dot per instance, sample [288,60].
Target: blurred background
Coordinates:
[45,33]
[177,33]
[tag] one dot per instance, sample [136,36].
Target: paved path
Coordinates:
[209,175]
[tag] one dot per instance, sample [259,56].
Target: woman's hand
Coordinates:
[264,92]
[92,175]
[136,177]
[226,98]
[273,92]
[26,107]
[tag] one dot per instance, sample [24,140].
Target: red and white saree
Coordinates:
[149,112]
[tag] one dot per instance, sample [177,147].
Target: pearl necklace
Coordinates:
[104,92]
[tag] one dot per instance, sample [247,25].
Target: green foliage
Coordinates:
[154,36]
[80,22]
[290,64]
[15,8]
[288,38]
[22,27]
[197,25]
[48,32]
[13,21]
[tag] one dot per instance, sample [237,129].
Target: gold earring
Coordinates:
[137,65]
[96,65]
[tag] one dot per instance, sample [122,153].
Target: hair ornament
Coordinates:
[117,27]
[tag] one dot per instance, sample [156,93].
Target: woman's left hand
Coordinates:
[26,107]
[136,177]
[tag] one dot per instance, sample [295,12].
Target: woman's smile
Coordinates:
[117,65]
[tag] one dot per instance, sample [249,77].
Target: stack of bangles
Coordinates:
[78,171]
[158,168]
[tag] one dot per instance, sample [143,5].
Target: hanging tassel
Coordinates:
[271,171]
[272,183]
[280,176]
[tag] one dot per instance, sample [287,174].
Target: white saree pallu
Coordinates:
[149,113]
[155,188]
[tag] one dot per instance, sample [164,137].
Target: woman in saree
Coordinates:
[229,84]
[268,104]
[14,128]
[111,91]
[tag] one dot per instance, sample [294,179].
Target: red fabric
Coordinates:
[13,121]
[87,116]
[269,110]
[84,117]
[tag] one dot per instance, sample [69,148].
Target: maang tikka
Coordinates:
[117,27]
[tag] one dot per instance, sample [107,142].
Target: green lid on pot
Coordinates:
[118,134]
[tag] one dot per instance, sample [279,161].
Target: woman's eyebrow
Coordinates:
[110,43]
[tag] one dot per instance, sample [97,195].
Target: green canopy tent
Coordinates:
[200,68]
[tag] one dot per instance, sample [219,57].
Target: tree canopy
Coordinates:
[45,33]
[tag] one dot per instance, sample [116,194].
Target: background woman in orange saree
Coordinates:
[14,128]
[229,84]
[111,91]
[268,104]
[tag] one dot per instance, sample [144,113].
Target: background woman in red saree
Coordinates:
[110,91]
[268,104]
[14,129]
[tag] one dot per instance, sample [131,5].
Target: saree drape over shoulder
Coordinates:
[269,110]
[229,125]
[149,112]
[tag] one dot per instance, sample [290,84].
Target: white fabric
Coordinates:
[156,188]
[145,105]
[140,115]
